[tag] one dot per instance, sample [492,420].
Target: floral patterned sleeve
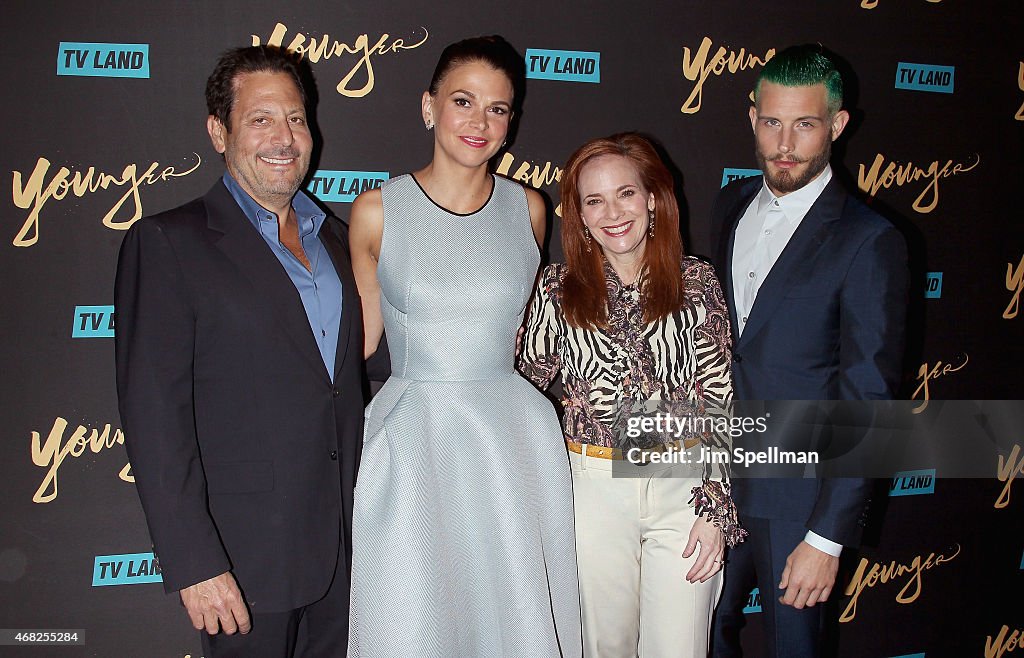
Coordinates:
[712,394]
[538,359]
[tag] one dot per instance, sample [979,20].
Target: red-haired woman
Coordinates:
[634,327]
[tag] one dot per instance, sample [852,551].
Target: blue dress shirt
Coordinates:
[319,287]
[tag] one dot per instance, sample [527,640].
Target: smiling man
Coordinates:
[817,287]
[239,376]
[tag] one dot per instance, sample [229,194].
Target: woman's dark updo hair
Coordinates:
[493,51]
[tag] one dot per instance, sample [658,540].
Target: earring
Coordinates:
[586,235]
[428,124]
[650,223]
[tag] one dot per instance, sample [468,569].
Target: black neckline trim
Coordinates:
[494,184]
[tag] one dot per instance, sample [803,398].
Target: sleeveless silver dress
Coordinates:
[463,525]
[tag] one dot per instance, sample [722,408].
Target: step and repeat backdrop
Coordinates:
[105,122]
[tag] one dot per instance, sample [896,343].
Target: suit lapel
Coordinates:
[798,256]
[248,251]
[726,245]
[334,242]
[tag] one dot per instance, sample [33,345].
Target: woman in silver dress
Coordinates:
[635,329]
[462,526]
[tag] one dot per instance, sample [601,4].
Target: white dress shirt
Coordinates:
[762,233]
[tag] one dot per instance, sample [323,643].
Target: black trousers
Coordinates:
[759,561]
[318,630]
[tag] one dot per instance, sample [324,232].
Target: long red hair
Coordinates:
[584,295]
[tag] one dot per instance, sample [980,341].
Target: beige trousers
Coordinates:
[631,531]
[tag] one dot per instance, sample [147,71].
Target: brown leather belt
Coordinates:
[605,452]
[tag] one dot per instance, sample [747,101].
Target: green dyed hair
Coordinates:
[802,66]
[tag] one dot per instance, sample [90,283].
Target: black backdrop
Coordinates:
[85,155]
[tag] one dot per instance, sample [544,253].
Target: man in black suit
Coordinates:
[239,373]
[817,287]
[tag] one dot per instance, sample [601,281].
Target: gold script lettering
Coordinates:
[697,68]
[1003,644]
[1020,83]
[33,194]
[52,453]
[864,578]
[876,178]
[326,48]
[871,4]
[1008,469]
[1014,283]
[536,178]
[926,374]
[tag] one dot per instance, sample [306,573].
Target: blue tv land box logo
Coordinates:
[924,77]
[913,483]
[564,65]
[933,285]
[1022,560]
[103,60]
[911,655]
[753,602]
[127,569]
[729,175]
[93,322]
[344,186]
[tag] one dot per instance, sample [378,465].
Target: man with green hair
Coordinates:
[817,286]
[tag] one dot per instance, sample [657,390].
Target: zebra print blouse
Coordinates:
[610,375]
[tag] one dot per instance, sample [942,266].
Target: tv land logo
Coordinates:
[925,77]
[344,186]
[913,483]
[564,65]
[933,285]
[911,655]
[93,322]
[729,175]
[103,60]
[753,602]
[126,569]
[697,67]
[314,49]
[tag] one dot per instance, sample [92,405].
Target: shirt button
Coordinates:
[768,231]
[334,455]
[743,319]
[750,275]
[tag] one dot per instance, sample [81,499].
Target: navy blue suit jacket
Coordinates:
[244,450]
[827,324]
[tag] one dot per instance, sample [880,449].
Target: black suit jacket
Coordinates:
[243,450]
[827,324]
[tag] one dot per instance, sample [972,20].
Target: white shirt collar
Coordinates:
[795,204]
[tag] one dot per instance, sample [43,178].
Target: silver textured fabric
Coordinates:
[463,527]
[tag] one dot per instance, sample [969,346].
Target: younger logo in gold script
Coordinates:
[884,175]
[51,453]
[33,194]
[362,48]
[866,577]
[701,64]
